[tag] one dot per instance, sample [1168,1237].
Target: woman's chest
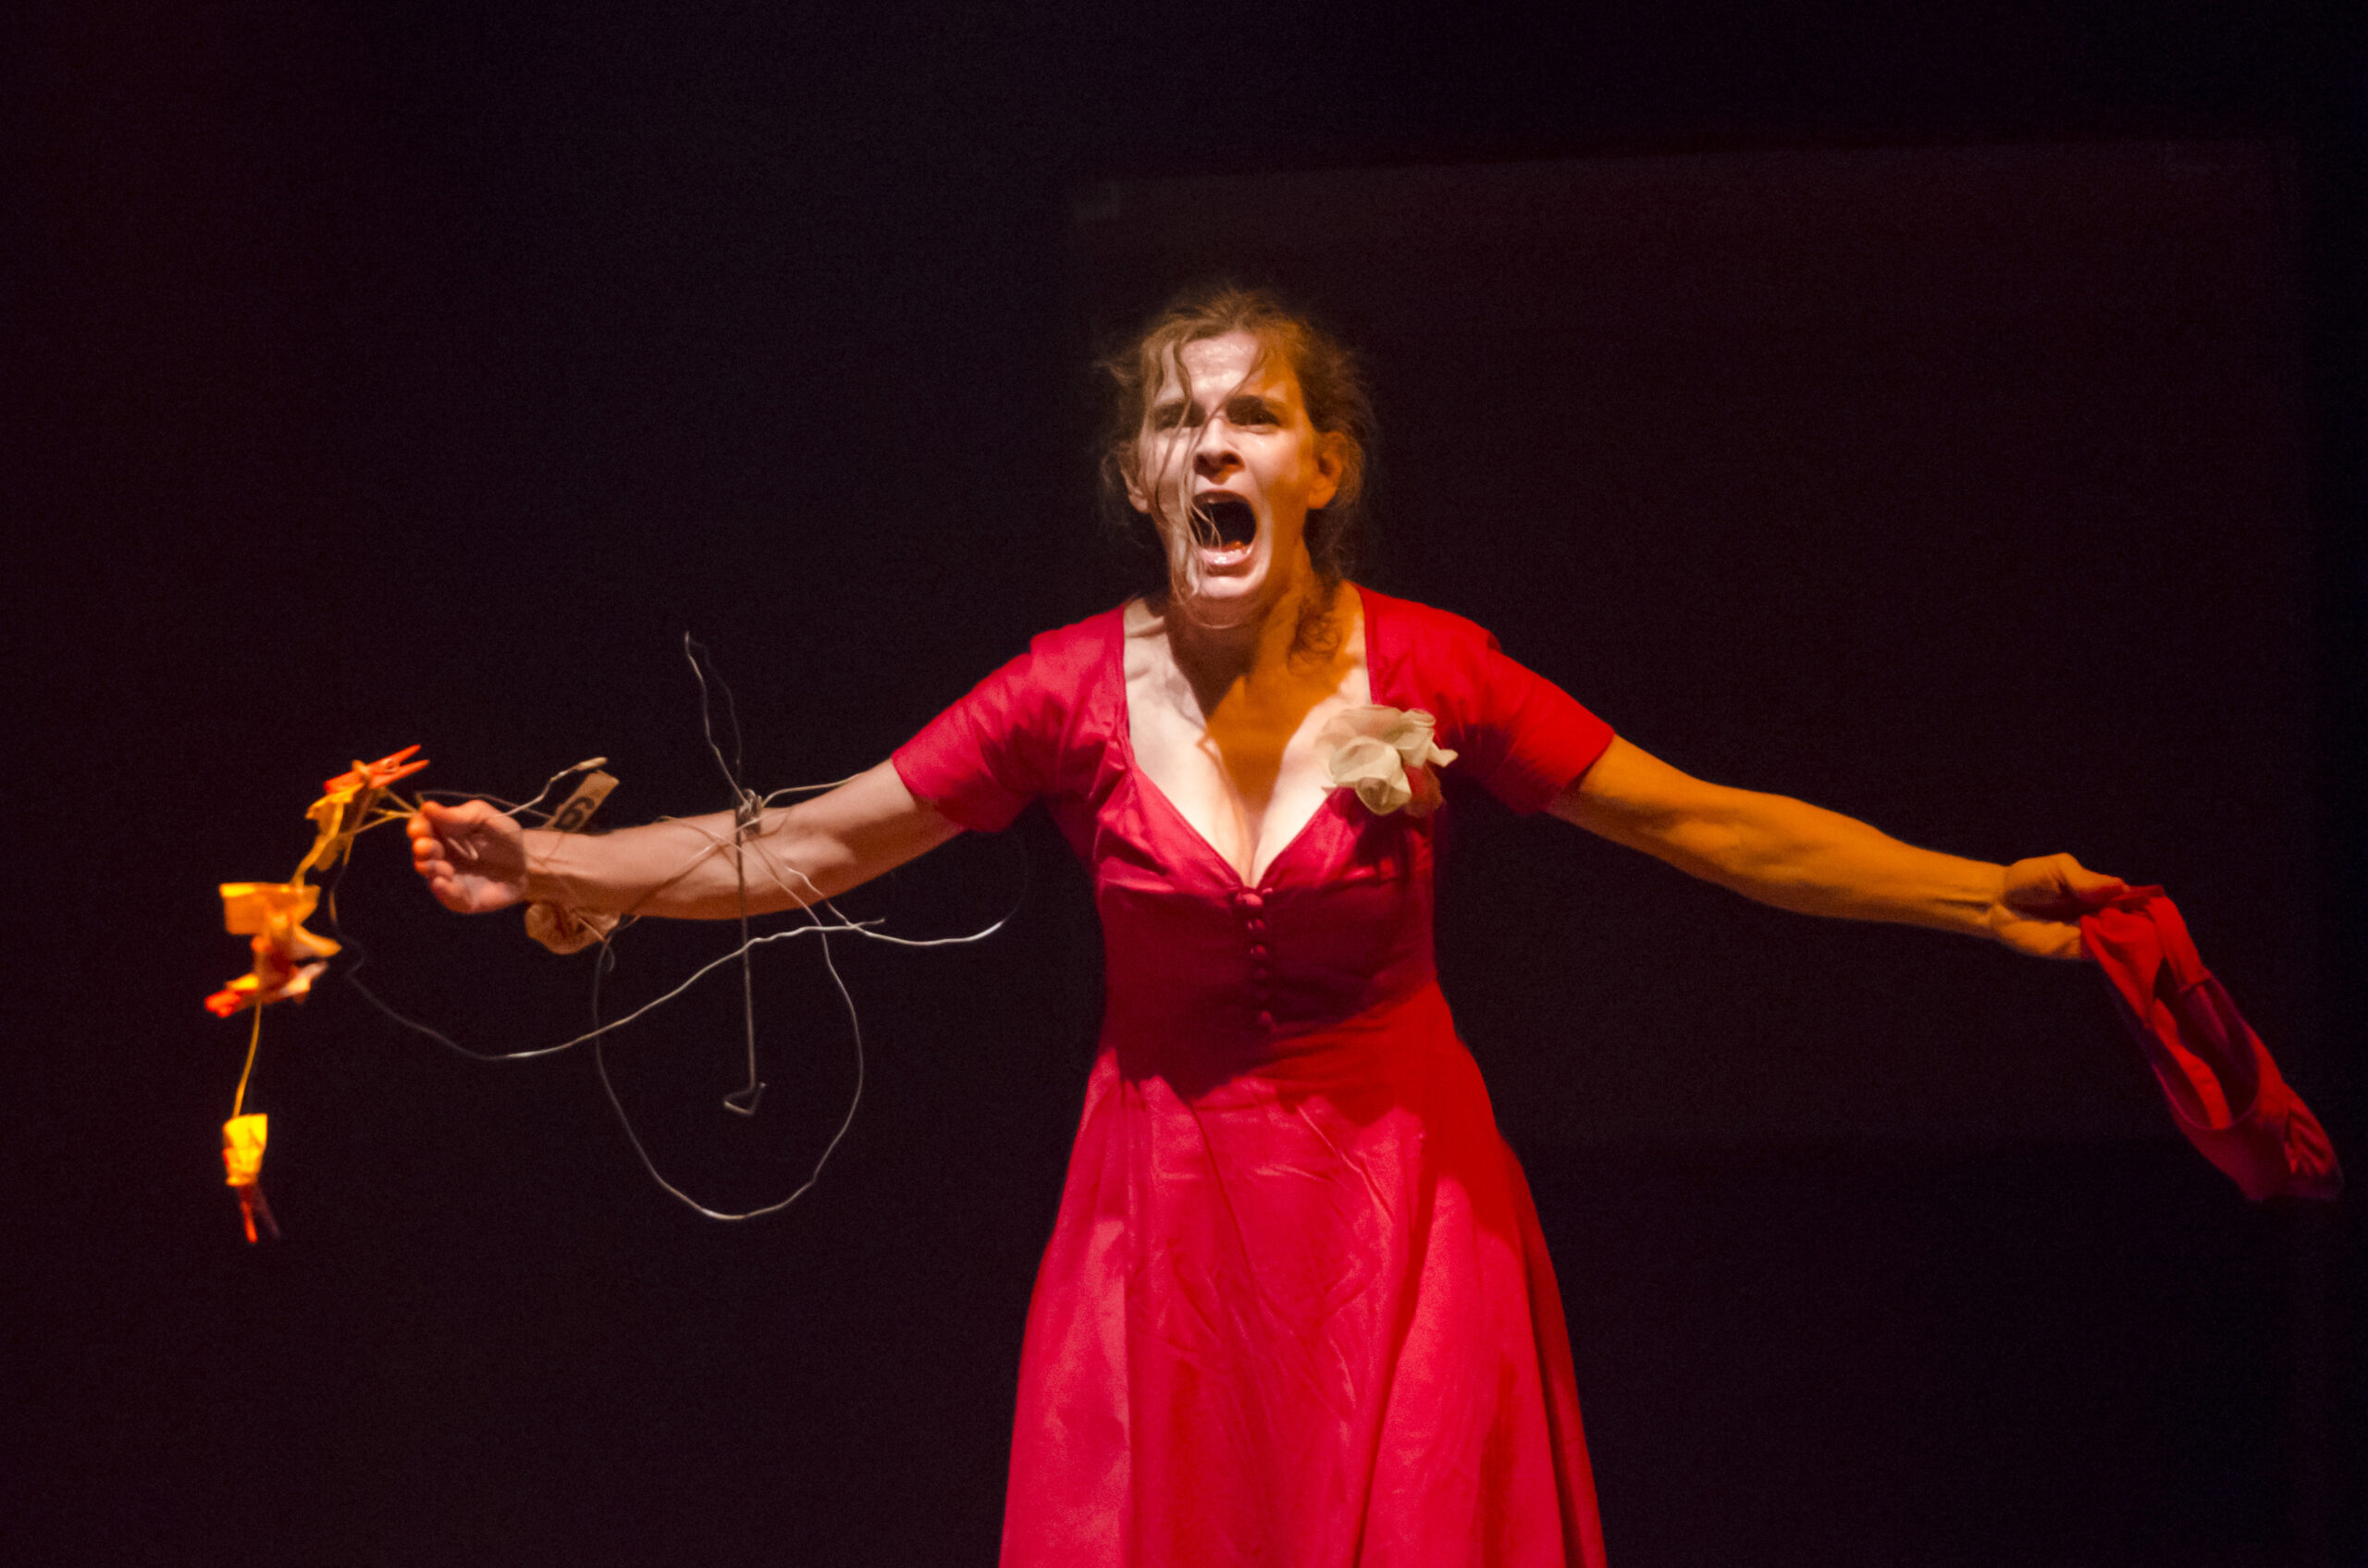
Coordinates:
[1247,773]
[1237,754]
[1339,920]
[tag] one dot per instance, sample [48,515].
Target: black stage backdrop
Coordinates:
[1953,421]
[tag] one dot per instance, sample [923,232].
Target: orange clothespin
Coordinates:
[242,1141]
[344,811]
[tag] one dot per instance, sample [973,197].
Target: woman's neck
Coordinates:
[1293,628]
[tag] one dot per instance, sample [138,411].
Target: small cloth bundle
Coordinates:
[2224,1092]
[567,931]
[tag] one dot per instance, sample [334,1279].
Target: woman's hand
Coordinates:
[473,856]
[2039,908]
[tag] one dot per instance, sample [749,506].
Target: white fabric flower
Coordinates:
[1386,754]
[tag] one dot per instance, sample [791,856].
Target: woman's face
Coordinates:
[1235,448]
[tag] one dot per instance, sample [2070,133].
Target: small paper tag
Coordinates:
[577,808]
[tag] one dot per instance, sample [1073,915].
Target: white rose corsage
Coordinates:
[1388,757]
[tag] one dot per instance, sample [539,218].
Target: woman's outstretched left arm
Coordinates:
[1803,858]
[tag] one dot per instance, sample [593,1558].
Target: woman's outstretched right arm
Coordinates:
[476,859]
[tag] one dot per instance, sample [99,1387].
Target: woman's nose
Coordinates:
[1215,453]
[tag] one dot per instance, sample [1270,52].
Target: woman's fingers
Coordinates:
[468,856]
[2091,888]
[2057,886]
[2039,909]
[2041,938]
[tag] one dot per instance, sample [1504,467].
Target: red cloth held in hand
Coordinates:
[2224,1091]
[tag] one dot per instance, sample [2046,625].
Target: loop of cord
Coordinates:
[748,811]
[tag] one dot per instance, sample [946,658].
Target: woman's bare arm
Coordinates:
[1805,859]
[476,859]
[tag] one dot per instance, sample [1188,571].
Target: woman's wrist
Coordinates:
[1988,897]
[548,876]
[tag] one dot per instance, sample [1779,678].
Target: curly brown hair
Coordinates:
[1331,382]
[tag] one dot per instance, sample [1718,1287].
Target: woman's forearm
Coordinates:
[684,869]
[1779,850]
[1814,861]
[696,867]
[1803,858]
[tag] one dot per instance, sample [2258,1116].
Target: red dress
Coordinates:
[1296,1311]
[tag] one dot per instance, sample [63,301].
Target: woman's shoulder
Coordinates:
[1422,628]
[1518,733]
[1038,725]
[1075,652]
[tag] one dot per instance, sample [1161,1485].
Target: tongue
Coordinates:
[1231,522]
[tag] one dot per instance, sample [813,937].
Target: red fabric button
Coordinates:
[1265,1021]
[1249,900]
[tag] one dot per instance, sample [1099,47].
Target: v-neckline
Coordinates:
[1149,786]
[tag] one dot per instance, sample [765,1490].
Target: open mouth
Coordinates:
[1226,528]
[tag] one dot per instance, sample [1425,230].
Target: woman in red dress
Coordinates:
[1296,1311]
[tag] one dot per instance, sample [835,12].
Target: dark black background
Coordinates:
[392,374]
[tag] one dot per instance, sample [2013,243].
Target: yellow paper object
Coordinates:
[275,912]
[288,956]
[242,1142]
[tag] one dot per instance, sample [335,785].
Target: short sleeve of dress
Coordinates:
[1017,735]
[1515,734]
